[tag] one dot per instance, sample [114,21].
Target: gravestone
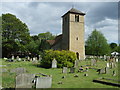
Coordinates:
[114,73]
[93,62]
[13,57]
[64,70]
[72,70]
[24,80]
[106,70]
[44,82]
[54,63]
[102,71]
[17,57]
[76,63]
[35,61]
[28,58]
[40,58]
[116,60]
[107,65]
[18,70]
[34,58]
[105,57]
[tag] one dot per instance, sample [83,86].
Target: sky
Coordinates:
[41,17]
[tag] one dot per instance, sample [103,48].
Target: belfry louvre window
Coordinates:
[76,18]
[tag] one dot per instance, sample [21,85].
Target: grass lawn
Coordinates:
[8,79]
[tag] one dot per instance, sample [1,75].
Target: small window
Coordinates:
[76,18]
[77,38]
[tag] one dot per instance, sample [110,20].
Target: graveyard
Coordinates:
[23,71]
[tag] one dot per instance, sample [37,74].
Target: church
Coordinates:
[72,37]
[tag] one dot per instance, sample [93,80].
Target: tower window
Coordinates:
[77,38]
[76,18]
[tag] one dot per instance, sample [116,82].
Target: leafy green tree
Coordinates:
[46,36]
[44,45]
[14,32]
[113,47]
[96,44]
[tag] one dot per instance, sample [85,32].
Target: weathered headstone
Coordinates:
[76,63]
[114,73]
[107,65]
[35,61]
[44,82]
[93,62]
[13,57]
[40,58]
[24,80]
[18,70]
[72,70]
[102,71]
[116,60]
[85,74]
[17,57]
[105,57]
[64,70]
[54,63]
[34,58]
[106,70]
[28,58]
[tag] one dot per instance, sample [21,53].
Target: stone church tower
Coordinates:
[72,37]
[73,32]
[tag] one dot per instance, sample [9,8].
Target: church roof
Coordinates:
[75,11]
[55,41]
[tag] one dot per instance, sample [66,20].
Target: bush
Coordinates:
[64,58]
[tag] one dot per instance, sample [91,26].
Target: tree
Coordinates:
[46,36]
[96,44]
[14,32]
[113,47]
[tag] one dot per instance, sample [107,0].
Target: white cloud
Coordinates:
[42,17]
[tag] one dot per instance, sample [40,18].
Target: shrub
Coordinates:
[64,58]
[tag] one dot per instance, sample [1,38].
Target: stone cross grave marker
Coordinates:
[54,63]
[24,80]
[44,82]
[72,70]
[18,70]
[64,70]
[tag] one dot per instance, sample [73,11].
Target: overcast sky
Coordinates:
[42,17]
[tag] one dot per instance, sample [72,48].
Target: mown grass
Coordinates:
[8,79]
